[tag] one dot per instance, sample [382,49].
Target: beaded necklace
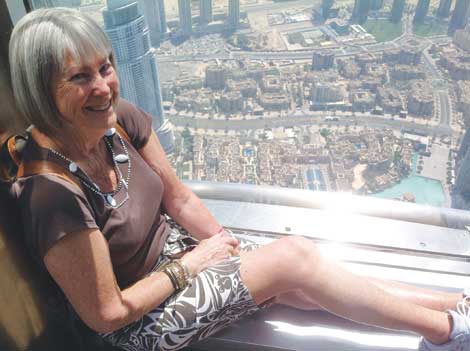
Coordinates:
[121,158]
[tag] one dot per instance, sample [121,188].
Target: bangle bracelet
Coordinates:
[167,270]
[185,269]
[179,274]
[184,273]
[175,271]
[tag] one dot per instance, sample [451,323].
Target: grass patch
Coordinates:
[429,29]
[382,29]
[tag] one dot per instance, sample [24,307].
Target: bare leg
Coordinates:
[297,299]
[435,300]
[295,263]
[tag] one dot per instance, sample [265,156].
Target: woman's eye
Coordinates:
[79,76]
[105,68]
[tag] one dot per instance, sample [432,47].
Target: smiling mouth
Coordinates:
[100,108]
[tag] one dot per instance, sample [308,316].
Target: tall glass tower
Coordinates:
[205,14]
[460,15]
[137,67]
[54,3]
[154,13]
[234,13]
[397,10]
[444,8]
[421,11]
[361,10]
[184,11]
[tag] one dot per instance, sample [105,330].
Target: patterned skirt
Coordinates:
[215,298]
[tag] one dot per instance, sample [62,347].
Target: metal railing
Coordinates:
[339,202]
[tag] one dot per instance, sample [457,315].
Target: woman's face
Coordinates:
[85,95]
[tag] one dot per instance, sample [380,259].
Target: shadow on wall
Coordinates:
[10,120]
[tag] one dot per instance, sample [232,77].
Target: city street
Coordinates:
[313,119]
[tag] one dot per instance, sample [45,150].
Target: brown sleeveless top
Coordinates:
[53,207]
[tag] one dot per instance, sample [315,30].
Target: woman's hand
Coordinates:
[209,252]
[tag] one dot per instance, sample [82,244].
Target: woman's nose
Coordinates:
[101,85]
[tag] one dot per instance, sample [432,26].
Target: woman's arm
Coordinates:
[178,200]
[80,263]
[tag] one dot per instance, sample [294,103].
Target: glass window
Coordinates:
[365,97]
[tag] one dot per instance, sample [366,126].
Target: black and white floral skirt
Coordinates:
[215,298]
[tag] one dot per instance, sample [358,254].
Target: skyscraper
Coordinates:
[360,11]
[326,8]
[205,8]
[397,10]
[421,11]
[184,11]
[464,146]
[444,8]
[137,67]
[55,3]
[234,13]
[154,13]
[462,184]
[376,5]
[459,16]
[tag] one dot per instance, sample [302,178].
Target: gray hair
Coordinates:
[40,44]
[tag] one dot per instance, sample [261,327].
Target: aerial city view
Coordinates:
[370,97]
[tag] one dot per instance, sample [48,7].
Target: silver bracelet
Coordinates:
[188,276]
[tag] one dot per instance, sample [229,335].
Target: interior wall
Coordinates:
[10,120]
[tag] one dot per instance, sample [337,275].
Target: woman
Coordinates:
[107,243]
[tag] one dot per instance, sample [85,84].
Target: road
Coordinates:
[446,111]
[274,55]
[308,120]
[273,7]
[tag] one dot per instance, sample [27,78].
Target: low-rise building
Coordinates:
[215,77]
[362,100]
[349,69]
[421,100]
[231,102]
[408,55]
[377,70]
[367,58]
[247,87]
[271,84]
[463,95]
[324,93]
[197,101]
[462,38]
[187,83]
[274,102]
[457,63]
[407,72]
[322,60]
[390,100]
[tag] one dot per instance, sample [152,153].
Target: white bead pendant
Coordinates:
[110,132]
[111,200]
[121,158]
[73,167]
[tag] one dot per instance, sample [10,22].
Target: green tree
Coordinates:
[325,132]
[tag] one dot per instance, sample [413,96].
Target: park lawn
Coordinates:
[429,29]
[382,29]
